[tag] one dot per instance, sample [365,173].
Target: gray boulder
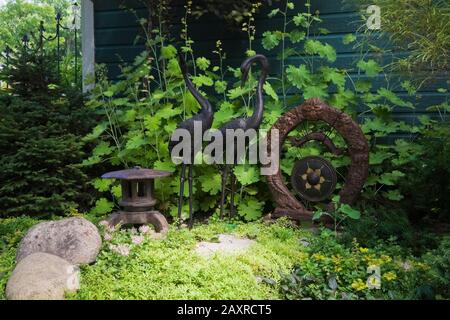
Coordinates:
[76,240]
[42,276]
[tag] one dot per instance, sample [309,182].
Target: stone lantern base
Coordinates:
[154,218]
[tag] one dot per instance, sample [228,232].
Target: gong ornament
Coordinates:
[319,185]
[314,178]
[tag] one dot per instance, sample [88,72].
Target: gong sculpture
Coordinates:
[314,178]
[137,198]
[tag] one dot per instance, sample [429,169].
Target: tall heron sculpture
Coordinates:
[205,118]
[244,123]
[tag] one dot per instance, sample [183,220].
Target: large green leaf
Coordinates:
[246,174]
[323,50]
[269,91]
[250,209]
[370,67]
[298,76]
[317,91]
[350,212]
[271,39]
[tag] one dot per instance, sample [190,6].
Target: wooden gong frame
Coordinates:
[357,147]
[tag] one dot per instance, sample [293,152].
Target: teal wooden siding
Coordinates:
[116,31]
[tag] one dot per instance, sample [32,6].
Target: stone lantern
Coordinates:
[137,201]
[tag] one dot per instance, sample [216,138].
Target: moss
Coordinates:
[11,232]
[169,269]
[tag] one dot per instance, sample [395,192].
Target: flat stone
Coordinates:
[75,239]
[227,244]
[42,276]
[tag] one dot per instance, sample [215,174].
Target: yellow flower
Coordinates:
[422,266]
[337,269]
[359,285]
[371,260]
[318,256]
[336,259]
[303,256]
[389,276]
[363,250]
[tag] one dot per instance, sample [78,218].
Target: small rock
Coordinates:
[75,239]
[268,219]
[304,242]
[158,236]
[42,276]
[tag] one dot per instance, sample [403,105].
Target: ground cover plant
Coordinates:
[286,262]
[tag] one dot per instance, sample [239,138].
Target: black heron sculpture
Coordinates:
[244,123]
[205,117]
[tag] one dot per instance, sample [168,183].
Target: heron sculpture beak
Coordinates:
[182,63]
[244,77]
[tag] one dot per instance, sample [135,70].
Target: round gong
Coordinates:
[314,178]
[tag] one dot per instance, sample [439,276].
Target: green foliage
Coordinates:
[370,67]
[323,50]
[142,109]
[330,270]
[339,213]
[439,259]
[425,182]
[26,16]
[40,128]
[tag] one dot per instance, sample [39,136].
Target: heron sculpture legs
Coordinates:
[225,171]
[180,199]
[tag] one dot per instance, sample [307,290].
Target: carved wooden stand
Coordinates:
[357,148]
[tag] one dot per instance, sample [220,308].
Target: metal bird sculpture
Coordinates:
[243,123]
[205,117]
